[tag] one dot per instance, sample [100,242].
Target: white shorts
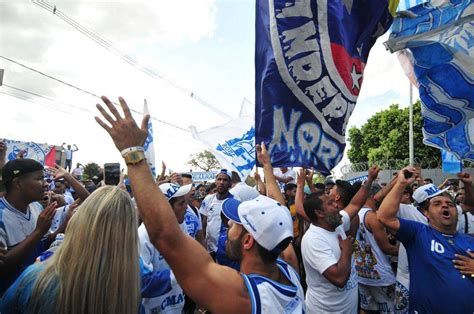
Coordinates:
[374,298]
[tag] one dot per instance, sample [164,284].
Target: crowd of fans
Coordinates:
[170,245]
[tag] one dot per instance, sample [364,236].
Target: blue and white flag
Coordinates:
[407,4]
[233,144]
[310,59]
[148,146]
[451,164]
[42,153]
[441,42]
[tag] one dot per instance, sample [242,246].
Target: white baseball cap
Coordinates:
[426,191]
[268,221]
[171,190]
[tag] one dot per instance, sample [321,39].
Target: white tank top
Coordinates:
[372,265]
[269,296]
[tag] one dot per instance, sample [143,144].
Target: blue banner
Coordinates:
[310,58]
[441,41]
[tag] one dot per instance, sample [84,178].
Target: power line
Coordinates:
[80,89]
[150,71]
[34,102]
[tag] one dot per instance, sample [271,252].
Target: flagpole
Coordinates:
[410,132]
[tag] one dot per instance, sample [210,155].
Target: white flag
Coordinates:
[148,146]
[233,144]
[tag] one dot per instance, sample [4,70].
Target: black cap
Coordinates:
[18,167]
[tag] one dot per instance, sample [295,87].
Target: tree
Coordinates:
[205,161]
[91,169]
[385,137]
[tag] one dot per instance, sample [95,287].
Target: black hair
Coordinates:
[210,187]
[269,257]
[235,177]
[289,187]
[346,191]
[319,186]
[187,175]
[356,185]
[428,180]
[312,203]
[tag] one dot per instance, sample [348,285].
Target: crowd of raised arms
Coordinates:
[168,245]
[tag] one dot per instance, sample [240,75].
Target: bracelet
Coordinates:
[132,149]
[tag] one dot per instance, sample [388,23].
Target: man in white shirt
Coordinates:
[68,151]
[78,171]
[327,252]
[285,176]
[211,209]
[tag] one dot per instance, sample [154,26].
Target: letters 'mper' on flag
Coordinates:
[233,144]
[440,39]
[148,146]
[310,58]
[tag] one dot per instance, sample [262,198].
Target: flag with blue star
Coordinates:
[310,59]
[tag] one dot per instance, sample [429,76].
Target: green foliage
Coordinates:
[385,137]
[91,169]
[204,161]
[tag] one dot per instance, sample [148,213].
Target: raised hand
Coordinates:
[301,177]
[58,172]
[309,176]
[46,218]
[465,264]
[262,154]
[176,178]
[257,177]
[373,173]
[465,178]
[124,131]
[407,175]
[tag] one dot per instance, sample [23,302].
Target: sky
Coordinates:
[205,47]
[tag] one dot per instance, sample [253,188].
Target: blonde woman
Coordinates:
[96,268]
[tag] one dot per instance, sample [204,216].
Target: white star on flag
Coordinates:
[355,77]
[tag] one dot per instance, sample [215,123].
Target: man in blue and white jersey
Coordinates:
[24,224]
[432,248]
[173,300]
[260,231]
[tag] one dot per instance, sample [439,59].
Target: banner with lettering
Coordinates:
[310,58]
[438,41]
[43,153]
[233,144]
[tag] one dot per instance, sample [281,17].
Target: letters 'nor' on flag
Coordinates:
[440,42]
[310,59]
[233,144]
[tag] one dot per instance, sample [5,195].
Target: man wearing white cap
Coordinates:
[217,288]
[173,301]
[435,250]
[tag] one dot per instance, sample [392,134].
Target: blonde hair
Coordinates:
[96,268]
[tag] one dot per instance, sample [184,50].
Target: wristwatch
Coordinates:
[134,157]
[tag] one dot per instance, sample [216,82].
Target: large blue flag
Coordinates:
[310,59]
[441,41]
